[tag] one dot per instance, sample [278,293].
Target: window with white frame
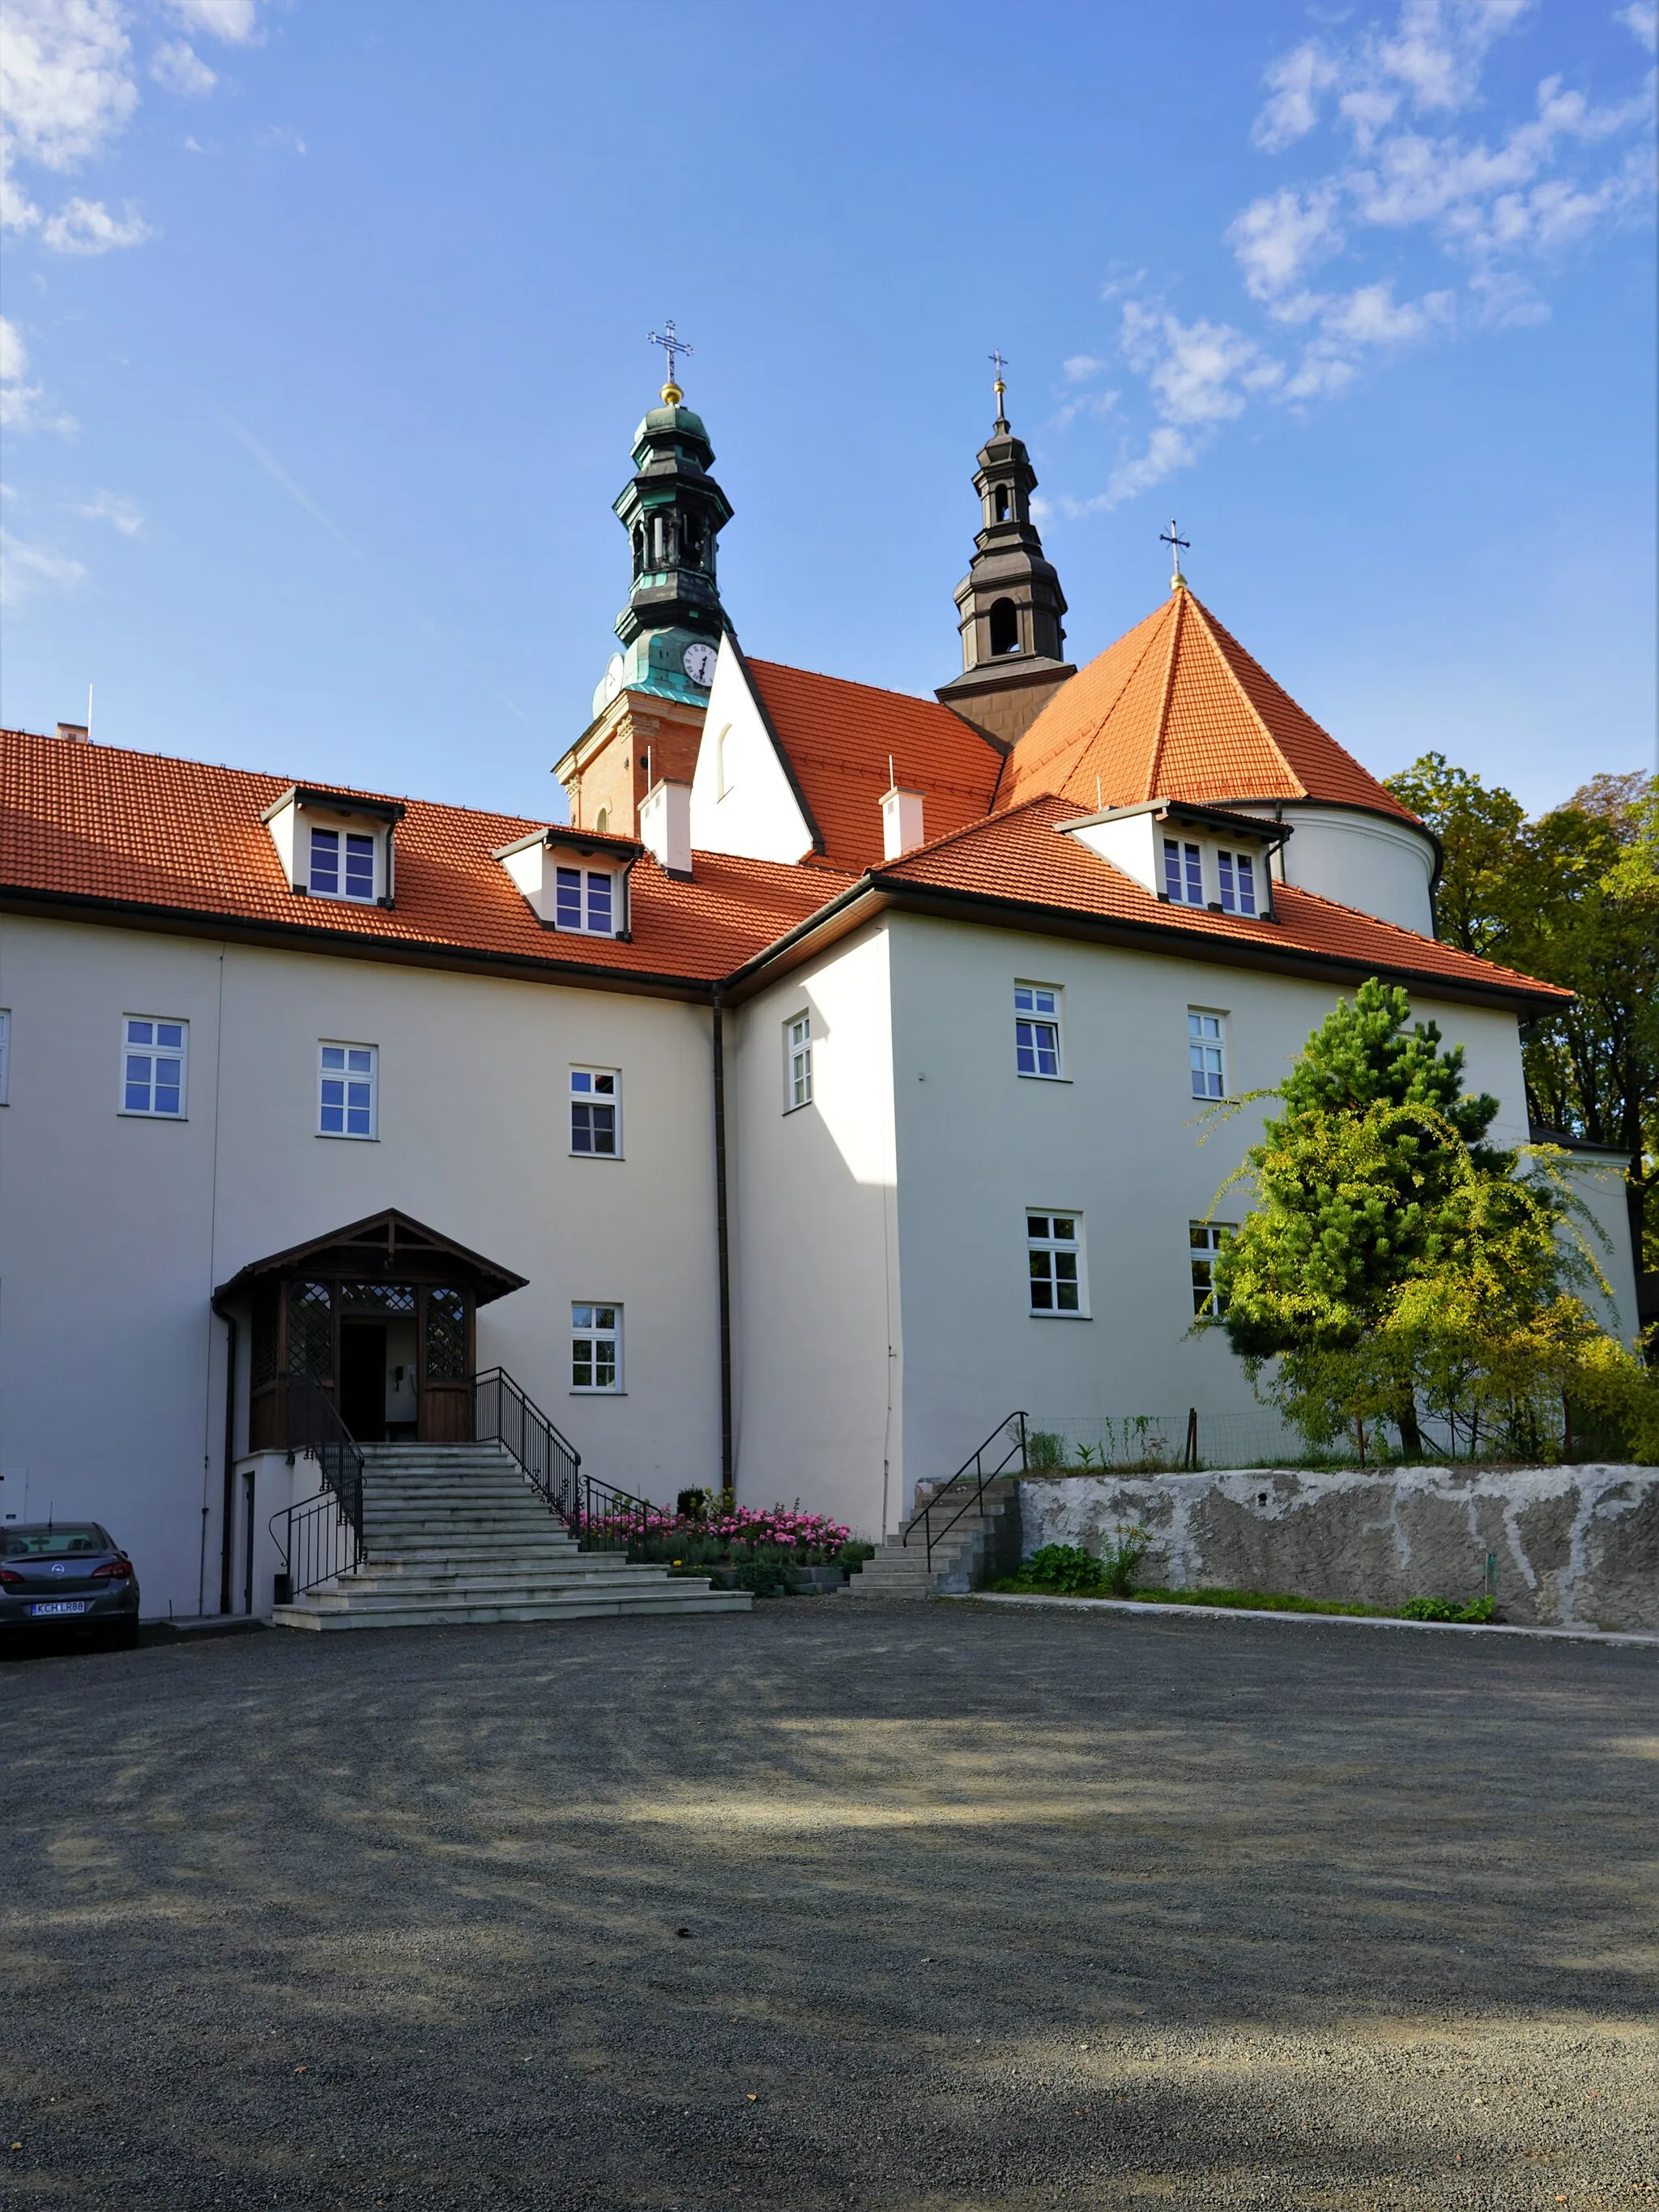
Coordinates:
[796,1062]
[348,1083]
[1237,874]
[1206,1052]
[585,899]
[1054,1246]
[595,1126]
[595,1347]
[342,865]
[1183,872]
[1036,1029]
[1205,1240]
[5,1057]
[153,1052]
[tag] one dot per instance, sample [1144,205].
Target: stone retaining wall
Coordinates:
[1575,1546]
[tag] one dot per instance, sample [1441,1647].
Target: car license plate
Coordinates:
[60,1605]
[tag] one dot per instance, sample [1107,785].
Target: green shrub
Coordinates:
[1044,1449]
[1120,1562]
[1066,1568]
[1479,1610]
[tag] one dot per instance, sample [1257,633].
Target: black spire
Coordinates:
[1010,608]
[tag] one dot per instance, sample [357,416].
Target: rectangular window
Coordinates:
[347,1105]
[1183,872]
[1036,1029]
[584,899]
[1205,1051]
[5,1057]
[1205,1239]
[796,1062]
[1237,872]
[152,1056]
[595,1347]
[593,1104]
[336,854]
[1054,1243]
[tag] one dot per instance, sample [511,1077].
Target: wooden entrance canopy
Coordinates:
[390,1265]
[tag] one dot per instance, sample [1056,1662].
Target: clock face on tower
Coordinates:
[698,661]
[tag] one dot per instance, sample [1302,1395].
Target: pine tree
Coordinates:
[1391,1248]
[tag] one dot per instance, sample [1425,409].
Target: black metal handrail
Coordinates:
[974,1477]
[322,1536]
[601,1518]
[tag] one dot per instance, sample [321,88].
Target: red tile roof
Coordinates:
[1020,855]
[839,738]
[1178,709]
[104,825]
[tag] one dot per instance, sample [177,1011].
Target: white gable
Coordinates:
[742,800]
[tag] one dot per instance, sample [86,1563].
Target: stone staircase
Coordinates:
[453,1535]
[961,1556]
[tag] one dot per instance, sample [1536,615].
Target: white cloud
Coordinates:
[282,135]
[1080,367]
[26,570]
[87,226]
[1296,81]
[66,88]
[176,67]
[18,398]
[232,21]
[1199,372]
[1167,450]
[1641,19]
[1279,237]
[120,514]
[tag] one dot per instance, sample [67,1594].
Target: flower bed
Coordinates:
[747,1546]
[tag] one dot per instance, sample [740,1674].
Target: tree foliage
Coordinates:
[1394,1263]
[1572,898]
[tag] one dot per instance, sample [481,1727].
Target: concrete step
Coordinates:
[672,1596]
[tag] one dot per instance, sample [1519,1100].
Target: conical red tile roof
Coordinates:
[1178,709]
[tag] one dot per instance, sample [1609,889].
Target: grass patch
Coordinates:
[1479,1612]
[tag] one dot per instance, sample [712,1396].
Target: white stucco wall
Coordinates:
[742,802]
[818,1403]
[976,1146]
[1370,862]
[114,1233]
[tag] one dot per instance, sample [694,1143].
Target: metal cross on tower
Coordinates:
[672,345]
[1175,542]
[999,364]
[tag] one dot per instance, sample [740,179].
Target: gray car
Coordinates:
[68,1575]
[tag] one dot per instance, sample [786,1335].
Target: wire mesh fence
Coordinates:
[1194,1440]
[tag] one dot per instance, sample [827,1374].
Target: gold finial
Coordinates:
[999,388]
[671,344]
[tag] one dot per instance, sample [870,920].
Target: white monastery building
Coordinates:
[826,1087]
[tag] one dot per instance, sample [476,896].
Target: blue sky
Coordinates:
[324,337]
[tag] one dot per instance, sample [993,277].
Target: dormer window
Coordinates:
[1183,872]
[342,865]
[584,899]
[335,844]
[575,880]
[1237,872]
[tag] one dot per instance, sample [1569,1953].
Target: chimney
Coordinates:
[75,732]
[901,822]
[665,827]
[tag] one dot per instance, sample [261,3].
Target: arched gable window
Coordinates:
[603,823]
[1004,627]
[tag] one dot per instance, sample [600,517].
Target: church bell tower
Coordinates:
[649,705]
[1010,608]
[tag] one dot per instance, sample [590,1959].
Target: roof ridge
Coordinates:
[1211,626]
[1034,764]
[1161,728]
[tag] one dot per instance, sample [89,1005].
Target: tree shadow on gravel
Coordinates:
[977,1908]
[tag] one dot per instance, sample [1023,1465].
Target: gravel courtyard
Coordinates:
[841,1903]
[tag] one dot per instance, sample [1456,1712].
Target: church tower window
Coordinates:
[1002,503]
[1004,627]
